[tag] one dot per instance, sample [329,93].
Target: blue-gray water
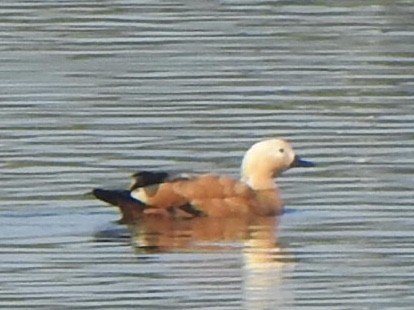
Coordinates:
[91,91]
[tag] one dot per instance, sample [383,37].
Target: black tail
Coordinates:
[113,197]
[131,208]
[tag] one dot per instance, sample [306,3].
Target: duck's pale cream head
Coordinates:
[266,160]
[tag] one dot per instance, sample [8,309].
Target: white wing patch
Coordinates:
[139,194]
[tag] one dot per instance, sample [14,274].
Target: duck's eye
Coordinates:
[281,150]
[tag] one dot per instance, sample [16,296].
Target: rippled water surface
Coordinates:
[91,91]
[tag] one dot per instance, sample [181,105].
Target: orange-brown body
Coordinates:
[216,196]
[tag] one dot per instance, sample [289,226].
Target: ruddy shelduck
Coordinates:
[255,194]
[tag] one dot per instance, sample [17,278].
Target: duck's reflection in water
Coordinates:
[265,264]
[165,235]
[198,234]
[256,239]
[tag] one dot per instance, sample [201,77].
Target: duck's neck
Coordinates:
[259,181]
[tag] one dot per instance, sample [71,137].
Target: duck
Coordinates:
[159,193]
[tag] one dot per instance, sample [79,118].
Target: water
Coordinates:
[91,91]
